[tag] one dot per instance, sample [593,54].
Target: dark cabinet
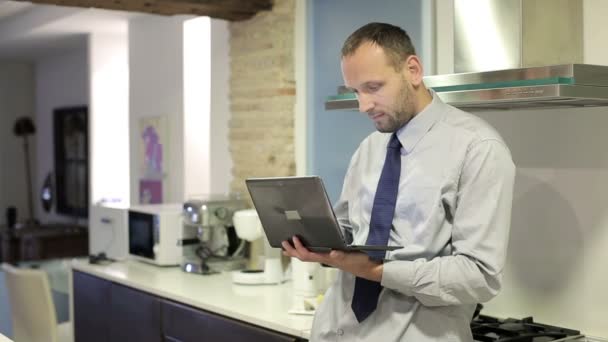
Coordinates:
[91,308]
[185,324]
[105,311]
[135,315]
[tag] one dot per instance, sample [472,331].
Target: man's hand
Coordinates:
[356,263]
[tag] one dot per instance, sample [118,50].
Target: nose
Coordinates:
[365,103]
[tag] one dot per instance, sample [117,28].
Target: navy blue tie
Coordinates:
[365,297]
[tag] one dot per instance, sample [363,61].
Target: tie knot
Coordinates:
[394,142]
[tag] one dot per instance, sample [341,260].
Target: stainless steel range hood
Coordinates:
[513,54]
[568,85]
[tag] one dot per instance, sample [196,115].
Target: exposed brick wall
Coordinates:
[262,95]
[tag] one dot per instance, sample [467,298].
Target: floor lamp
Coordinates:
[24,127]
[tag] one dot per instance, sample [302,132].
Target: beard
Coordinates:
[403,111]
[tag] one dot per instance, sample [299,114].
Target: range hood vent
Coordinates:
[568,85]
[514,54]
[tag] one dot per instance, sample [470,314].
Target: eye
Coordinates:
[373,87]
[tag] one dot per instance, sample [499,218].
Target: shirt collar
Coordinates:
[410,134]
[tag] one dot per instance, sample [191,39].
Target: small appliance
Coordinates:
[209,240]
[248,227]
[154,233]
[108,230]
[306,286]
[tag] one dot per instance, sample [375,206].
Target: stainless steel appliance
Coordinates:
[154,232]
[488,328]
[511,54]
[209,240]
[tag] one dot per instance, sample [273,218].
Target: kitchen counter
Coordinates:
[262,305]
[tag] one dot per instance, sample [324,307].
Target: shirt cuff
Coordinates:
[399,275]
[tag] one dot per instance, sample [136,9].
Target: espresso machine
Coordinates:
[210,243]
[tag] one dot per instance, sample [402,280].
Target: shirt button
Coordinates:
[340,332]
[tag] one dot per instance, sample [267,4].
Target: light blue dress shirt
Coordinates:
[452,216]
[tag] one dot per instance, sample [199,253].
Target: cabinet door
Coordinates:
[135,316]
[186,324]
[91,308]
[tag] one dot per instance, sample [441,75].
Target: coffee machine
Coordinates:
[248,227]
[209,241]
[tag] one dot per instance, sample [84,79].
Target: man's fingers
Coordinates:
[303,252]
[297,250]
[288,249]
[336,255]
[297,244]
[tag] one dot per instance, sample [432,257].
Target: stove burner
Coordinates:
[490,329]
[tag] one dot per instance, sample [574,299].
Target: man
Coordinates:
[433,179]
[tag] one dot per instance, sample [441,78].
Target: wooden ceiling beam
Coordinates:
[233,10]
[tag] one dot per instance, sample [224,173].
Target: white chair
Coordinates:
[32,307]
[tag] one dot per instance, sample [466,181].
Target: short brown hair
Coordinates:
[392,39]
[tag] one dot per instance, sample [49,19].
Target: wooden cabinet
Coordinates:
[40,242]
[105,311]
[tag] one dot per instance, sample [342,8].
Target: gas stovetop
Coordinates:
[490,329]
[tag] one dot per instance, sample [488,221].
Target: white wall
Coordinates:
[61,40]
[61,81]
[196,137]
[220,162]
[156,89]
[207,162]
[179,67]
[559,243]
[300,62]
[16,100]
[109,117]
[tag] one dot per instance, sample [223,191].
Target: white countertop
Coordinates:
[262,305]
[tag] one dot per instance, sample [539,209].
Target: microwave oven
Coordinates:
[154,231]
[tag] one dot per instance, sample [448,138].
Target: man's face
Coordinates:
[384,94]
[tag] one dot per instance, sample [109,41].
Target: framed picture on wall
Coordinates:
[153,133]
[71,132]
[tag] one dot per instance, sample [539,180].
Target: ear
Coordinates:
[413,68]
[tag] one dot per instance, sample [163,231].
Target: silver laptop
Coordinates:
[299,206]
